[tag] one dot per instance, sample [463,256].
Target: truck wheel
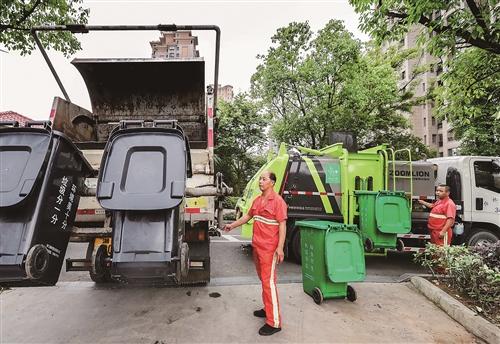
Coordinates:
[482,236]
[37,261]
[184,260]
[317,296]
[100,272]
[295,246]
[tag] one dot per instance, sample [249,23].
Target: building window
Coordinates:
[434,138]
[440,144]
[403,75]
[425,122]
[440,125]
[423,87]
[425,139]
[433,120]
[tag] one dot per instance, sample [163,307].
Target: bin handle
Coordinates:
[171,122]
[45,124]
[125,123]
[13,124]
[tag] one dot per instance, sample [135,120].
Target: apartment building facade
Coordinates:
[175,45]
[438,135]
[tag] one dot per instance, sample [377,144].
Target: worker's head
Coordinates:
[267,180]
[442,191]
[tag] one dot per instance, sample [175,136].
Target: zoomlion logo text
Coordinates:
[414,174]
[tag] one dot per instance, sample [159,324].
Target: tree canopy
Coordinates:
[448,23]
[17,17]
[240,139]
[470,100]
[313,84]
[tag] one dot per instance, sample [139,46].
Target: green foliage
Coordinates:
[468,273]
[18,16]
[447,24]
[240,137]
[470,100]
[313,84]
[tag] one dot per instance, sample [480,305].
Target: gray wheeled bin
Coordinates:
[41,174]
[142,182]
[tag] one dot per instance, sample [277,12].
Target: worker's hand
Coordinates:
[280,254]
[441,234]
[227,228]
[421,201]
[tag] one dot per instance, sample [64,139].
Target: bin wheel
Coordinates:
[317,296]
[368,245]
[184,262]
[37,261]
[351,294]
[400,245]
[100,273]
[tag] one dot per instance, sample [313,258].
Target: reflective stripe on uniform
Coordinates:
[265,220]
[437,216]
[274,297]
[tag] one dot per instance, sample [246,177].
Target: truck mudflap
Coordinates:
[142,183]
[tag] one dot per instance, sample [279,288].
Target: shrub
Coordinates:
[474,273]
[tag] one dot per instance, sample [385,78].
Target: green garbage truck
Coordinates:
[337,184]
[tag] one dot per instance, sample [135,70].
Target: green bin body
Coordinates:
[382,216]
[332,256]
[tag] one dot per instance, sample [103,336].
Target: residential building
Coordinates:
[175,45]
[225,92]
[438,135]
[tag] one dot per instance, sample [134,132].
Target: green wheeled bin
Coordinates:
[382,216]
[332,256]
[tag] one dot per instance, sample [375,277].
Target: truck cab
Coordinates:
[475,188]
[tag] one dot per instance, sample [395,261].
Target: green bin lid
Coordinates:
[344,256]
[392,213]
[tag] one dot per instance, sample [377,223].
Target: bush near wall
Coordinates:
[471,272]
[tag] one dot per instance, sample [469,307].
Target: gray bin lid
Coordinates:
[143,169]
[23,152]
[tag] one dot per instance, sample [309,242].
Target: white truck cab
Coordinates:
[475,188]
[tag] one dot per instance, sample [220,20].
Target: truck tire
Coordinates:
[100,272]
[482,236]
[37,262]
[295,246]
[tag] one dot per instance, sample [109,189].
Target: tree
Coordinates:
[449,23]
[240,137]
[312,85]
[470,101]
[17,17]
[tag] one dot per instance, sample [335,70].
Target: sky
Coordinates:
[28,87]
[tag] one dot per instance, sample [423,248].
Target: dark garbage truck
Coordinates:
[139,168]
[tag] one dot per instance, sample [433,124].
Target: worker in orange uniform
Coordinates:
[269,212]
[441,217]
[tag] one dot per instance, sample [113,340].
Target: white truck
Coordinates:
[475,188]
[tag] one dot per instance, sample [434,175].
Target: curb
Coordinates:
[474,323]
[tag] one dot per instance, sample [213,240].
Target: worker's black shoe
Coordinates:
[260,313]
[267,330]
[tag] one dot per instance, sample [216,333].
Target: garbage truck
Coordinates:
[152,200]
[328,184]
